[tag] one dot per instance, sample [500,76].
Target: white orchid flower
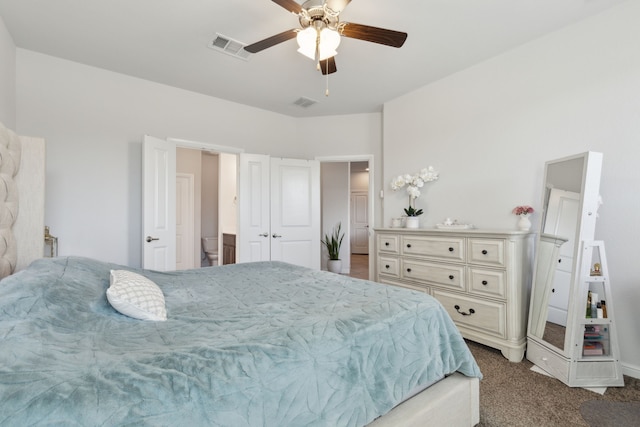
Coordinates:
[414,182]
[413,192]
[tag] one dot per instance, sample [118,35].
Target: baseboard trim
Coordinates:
[630,370]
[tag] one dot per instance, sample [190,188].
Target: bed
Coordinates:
[256,344]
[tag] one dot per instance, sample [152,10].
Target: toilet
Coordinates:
[210,249]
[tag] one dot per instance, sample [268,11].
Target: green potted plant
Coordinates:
[332,243]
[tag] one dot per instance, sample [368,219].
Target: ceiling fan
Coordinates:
[321,30]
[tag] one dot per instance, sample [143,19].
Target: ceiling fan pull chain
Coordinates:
[326,92]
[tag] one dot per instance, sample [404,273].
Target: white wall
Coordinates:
[489,130]
[359,181]
[7,78]
[93,122]
[348,135]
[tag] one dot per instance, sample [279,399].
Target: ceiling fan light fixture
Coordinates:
[307,40]
[329,42]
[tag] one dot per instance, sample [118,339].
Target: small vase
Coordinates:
[412,222]
[334,266]
[523,223]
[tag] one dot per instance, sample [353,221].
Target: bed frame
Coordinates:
[27,156]
[453,401]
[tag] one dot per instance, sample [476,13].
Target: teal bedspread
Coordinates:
[259,344]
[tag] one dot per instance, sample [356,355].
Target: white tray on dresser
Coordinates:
[481,277]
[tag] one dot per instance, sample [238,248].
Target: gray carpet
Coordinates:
[513,395]
[600,413]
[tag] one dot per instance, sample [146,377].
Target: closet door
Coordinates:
[254,237]
[279,216]
[295,212]
[159,204]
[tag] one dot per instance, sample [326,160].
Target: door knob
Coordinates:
[275,236]
[150,239]
[265,234]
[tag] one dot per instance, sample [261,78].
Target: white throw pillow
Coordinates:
[136,296]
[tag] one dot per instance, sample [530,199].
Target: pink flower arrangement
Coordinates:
[522,210]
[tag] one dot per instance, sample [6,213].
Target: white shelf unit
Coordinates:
[573,367]
[595,357]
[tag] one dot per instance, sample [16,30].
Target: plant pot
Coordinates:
[334,266]
[412,222]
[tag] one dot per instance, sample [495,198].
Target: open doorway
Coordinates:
[359,218]
[206,216]
[347,200]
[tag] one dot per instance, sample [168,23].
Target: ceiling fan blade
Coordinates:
[290,5]
[372,34]
[328,66]
[271,41]
[337,5]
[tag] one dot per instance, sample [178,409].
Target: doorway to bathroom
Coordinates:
[206,183]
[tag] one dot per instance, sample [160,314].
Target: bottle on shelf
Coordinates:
[599,310]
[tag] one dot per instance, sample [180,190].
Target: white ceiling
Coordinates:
[166,41]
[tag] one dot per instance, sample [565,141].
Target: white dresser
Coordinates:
[481,277]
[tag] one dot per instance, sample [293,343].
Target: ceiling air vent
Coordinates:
[229,46]
[304,102]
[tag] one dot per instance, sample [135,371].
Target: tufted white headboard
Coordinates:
[22,172]
[10,150]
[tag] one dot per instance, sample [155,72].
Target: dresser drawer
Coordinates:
[388,243]
[388,266]
[487,252]
[487,282]
[413,286]
[441,274]
[451,249]
[485,316]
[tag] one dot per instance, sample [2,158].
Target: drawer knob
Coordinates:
[484,282]
[386,243]
[450,249]
[471,311]
[408,245]
[408,270]
[386,266]
[451,277]
[484,252]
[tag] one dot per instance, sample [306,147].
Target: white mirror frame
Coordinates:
[585,231]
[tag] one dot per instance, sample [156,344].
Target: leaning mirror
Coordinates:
[564,224]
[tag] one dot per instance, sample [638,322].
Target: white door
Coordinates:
[254,237]
[185,221]
[561,220]
[158,204]
[359,222]
[295,212]
[279,215]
